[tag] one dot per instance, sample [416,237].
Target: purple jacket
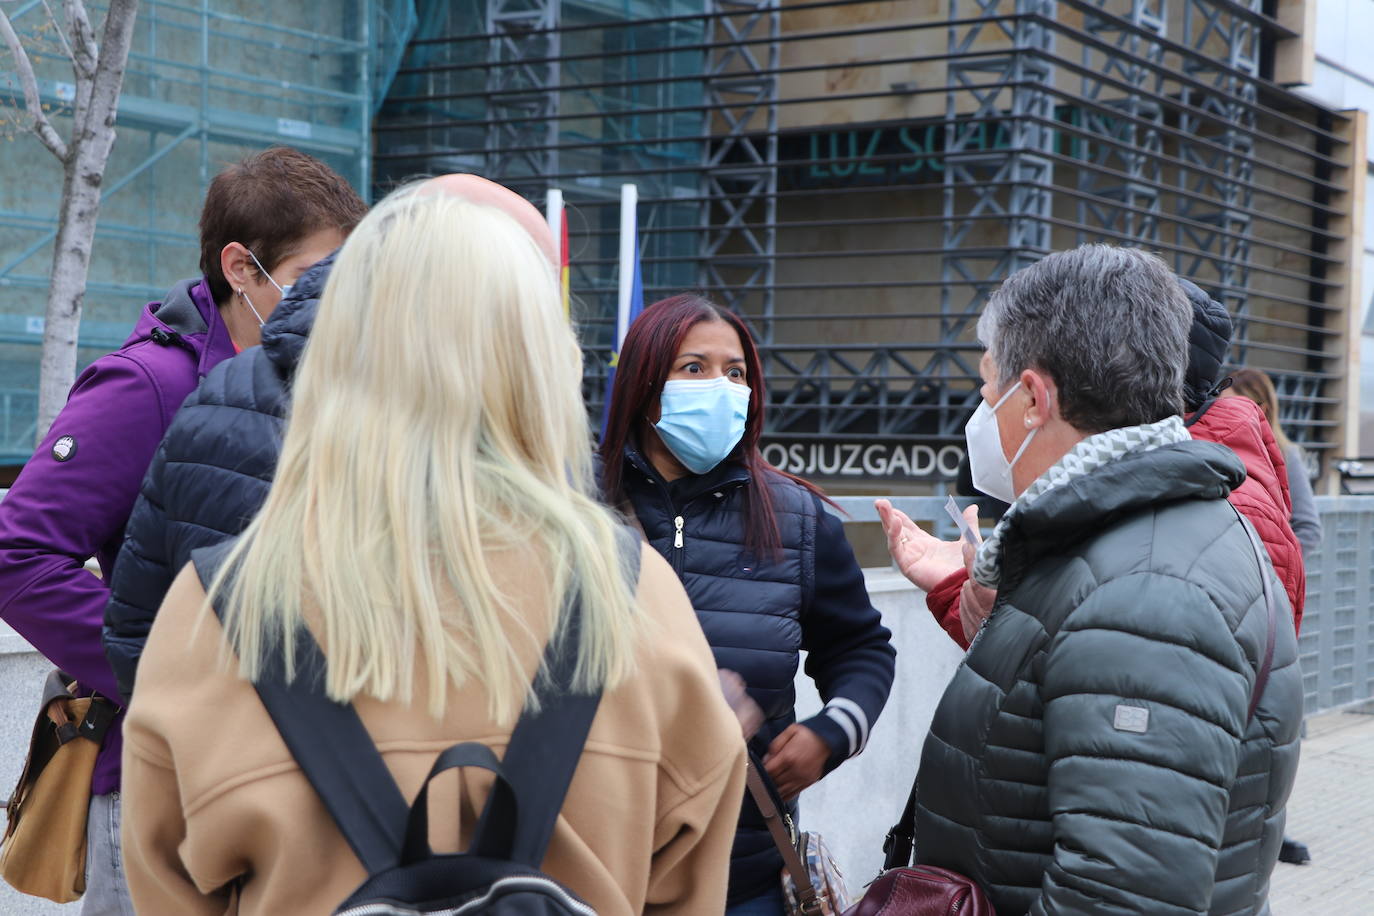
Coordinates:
[74,496]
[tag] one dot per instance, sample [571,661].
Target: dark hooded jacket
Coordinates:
[210,474]
[1092,754]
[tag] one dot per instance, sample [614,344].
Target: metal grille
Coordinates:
[856,177]
[1336,646]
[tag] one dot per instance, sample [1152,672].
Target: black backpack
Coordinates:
[499,874]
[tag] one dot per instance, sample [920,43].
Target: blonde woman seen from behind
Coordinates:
[430,519]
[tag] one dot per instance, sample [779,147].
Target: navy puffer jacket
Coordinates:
[211,472]
[759,613]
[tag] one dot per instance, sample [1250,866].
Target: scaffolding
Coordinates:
[206,84]
[855,177]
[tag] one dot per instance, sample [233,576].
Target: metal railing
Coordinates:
[1336,645]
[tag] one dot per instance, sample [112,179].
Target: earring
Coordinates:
[1028,423]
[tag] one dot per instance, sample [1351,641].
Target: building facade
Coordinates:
[856,177]
[207,83]
[853,177]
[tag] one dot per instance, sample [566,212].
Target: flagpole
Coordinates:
[553,212]
[629,200]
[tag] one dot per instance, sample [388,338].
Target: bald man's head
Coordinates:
[481,191]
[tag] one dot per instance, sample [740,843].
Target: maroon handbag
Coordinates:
[918,890]
[922,890]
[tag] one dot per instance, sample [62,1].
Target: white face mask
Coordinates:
[284,290]
[988,463]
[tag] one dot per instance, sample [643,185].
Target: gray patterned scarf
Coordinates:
[1084,458]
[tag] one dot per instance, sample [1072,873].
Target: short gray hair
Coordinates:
[1109,325]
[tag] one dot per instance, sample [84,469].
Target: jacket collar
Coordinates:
[1086,505]
[190,316]
[727,474]
[219,346]
[287,330]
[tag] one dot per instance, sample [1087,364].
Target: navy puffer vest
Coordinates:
[750,608]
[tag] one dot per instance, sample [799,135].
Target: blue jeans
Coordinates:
[107,893]
[770,904]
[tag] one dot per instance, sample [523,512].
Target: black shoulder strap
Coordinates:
[901,839]
[362,797]
[546,744]
[1267,662]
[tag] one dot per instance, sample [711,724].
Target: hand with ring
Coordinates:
[923,558]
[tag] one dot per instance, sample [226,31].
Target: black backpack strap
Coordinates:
[501,811]
[362,796]
[546,745]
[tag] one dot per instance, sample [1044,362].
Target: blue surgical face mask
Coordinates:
[702,420]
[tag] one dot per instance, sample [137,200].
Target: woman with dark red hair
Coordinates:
[768,569]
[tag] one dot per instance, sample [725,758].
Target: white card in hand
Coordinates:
[968,532]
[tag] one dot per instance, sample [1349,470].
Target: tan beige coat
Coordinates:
[212,798]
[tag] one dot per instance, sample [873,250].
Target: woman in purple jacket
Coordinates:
[265,221]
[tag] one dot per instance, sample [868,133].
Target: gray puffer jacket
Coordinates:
[1092,754]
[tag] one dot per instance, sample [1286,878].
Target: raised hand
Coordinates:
[923,558]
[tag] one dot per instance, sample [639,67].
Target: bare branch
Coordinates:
[84,50]
[61,33]
[41,126]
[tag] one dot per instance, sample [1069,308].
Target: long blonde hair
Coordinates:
[437,418]
[1258,387]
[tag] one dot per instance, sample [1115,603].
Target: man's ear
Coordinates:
[1043,394]
[236,265]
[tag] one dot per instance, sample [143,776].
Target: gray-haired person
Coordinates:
[1097,751]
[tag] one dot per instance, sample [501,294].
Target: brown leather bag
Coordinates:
[44,849]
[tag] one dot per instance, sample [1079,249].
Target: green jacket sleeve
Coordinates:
[1145,696]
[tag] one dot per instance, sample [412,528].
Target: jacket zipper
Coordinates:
[677,532]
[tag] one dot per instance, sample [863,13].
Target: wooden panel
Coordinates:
[1352,229]
[1295,58]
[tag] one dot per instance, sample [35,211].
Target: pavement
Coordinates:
[1332,811]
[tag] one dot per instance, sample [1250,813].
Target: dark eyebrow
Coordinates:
[733,359]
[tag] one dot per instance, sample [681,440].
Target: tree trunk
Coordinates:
[71,259]
[93,135]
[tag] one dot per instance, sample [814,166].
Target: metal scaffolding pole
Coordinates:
[523,90]
[1220,172]
[1121,195]
[1013,182]
[740,163]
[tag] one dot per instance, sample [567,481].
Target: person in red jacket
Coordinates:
[940,568]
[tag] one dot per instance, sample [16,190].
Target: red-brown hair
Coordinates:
[647,356]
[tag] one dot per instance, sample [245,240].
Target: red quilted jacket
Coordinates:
[1238,424]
